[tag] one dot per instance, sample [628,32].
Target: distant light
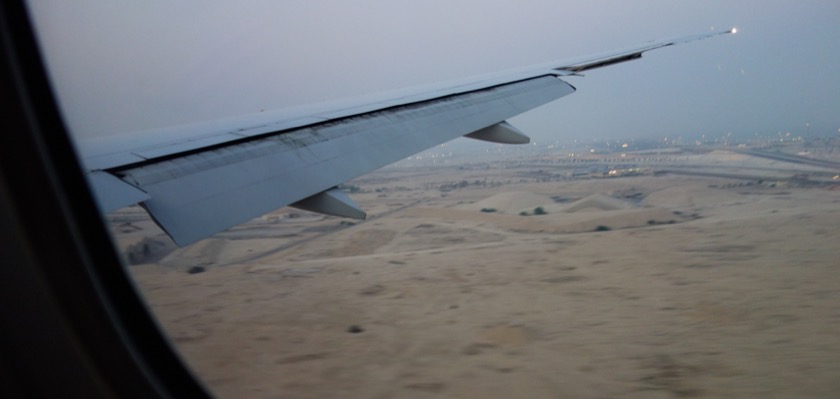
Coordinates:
[734,30]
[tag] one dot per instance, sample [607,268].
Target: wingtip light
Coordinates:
[733,30]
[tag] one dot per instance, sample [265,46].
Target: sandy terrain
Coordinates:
[665,286]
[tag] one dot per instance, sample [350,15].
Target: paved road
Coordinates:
[779,156]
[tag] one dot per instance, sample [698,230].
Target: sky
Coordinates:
[126,66]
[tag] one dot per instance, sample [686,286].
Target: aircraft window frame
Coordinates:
[74,324]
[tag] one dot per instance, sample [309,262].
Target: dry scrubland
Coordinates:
[645,286]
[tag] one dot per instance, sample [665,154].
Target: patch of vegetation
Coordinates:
[601,227]
[539,211]
[488,210]
[523,213]
[560,199]
[195,270]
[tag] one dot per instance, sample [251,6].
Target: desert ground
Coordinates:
[710,274]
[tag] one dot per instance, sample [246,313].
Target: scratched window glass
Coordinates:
[289,187]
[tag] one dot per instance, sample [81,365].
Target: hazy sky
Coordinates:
[125,66]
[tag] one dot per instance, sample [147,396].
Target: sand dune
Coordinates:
[597,202]
[695,291]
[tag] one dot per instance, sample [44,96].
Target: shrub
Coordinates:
[601,227]
[488,210]
[539,211]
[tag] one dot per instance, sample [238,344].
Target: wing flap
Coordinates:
[111,193]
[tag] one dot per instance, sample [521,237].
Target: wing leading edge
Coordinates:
[198,180]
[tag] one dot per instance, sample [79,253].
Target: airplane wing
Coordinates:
[197,180]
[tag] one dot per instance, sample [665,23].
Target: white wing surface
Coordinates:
[200,179]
